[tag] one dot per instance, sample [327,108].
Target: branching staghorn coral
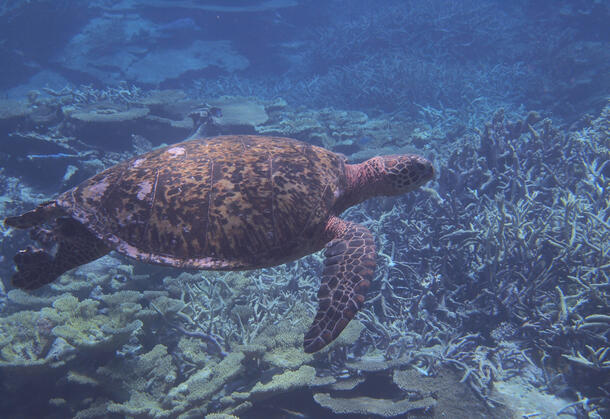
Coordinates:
[515,247]
[234,308]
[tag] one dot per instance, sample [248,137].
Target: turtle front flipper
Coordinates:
[348,270]
[75,246]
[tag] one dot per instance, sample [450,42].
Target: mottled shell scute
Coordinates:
[230,202]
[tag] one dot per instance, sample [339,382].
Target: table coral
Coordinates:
[104,114]
[371,406]
[240,112]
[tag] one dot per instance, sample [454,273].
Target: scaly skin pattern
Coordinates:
[349,268]
[389,175]
[224,203]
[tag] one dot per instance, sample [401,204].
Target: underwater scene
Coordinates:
[304,209]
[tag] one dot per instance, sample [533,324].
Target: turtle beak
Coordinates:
[423,169]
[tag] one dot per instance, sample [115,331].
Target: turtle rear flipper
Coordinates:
[348,270]
[75,246]
[35,268]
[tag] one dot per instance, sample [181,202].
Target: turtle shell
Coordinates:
[230,202]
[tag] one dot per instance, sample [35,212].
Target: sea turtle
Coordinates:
[225,203]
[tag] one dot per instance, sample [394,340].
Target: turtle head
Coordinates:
[403,173]
[384,175]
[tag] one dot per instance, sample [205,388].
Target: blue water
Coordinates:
[491,280]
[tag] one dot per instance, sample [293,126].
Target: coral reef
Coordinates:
[497,272]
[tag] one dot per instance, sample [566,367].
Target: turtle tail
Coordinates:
[35,268]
